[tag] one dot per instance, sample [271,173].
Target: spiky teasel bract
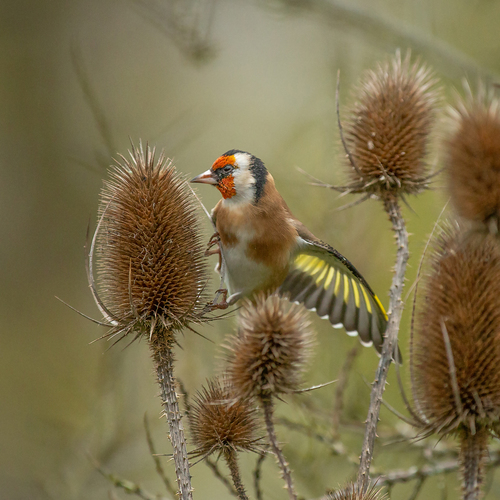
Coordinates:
[268,355]
[457,376]
[352,492]
[150,261]
[220,422]
[462,304]
[472,156]
[387,133]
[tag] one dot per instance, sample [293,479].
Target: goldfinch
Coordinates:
[266,248]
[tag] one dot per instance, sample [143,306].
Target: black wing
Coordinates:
[325,281]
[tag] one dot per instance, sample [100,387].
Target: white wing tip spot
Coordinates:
[338,325]
[353,333]
[366,344]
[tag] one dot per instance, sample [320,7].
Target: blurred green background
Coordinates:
[196,78]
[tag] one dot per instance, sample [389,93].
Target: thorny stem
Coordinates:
[159,469]
[164,360]
[267,404]
[257,476]
[390,342]
[472,457]
[232,462]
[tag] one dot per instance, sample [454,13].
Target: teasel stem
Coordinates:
[267,404]
[473,451]
[164,362]
[231,458]
[389,349]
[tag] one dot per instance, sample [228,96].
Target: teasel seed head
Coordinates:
[387,133]
[268,355]
[150,264]
[220,422]
[457,344]
[352,492]
[472,156]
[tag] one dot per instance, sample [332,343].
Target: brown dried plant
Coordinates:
[223,424]
[386,141]
[267,358]
[269,354]
[472,157]
[149,258]
[388,129]
[151,274]
[457,347]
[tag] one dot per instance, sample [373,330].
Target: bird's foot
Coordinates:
[223,304]
[213,241]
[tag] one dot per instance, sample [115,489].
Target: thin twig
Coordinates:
[257,475]
[125,485]
[159,468]
[335,446]
[267,404]
[212,465]
[416,490]
[389,348]
[338,404]
[444,467]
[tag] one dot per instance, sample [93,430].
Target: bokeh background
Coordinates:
[79,80]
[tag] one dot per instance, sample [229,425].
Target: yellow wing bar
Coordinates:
[325,281]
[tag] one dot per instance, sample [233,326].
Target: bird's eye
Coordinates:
[227,169]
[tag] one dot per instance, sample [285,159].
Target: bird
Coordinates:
[267,249]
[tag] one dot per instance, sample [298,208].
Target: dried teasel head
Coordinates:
[457,346]
[351,492]
[268,355]
[150,264]
[472,156]
[220,423]
[387,133]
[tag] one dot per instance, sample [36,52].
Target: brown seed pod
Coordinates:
[472,156]
[351,492]
[219,422]
[457,344]
[149,257]
[388,129]
[269,354]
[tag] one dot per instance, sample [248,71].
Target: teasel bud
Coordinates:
[351,492]
[387,133]
[472,156]
[220,423]
[151,273]
[457,347]
[268,357]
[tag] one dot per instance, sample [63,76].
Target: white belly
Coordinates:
[243,275]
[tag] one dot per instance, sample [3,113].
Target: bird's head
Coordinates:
[239,176]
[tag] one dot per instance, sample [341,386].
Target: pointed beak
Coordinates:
[207,177]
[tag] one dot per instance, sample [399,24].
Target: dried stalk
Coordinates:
[389,348]
[267,404]
[164,360]
[232,462]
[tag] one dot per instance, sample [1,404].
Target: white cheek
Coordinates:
[244,183]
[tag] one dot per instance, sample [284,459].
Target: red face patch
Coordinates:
[226,187]
[222,161]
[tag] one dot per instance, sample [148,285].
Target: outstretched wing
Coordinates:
[325,281]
